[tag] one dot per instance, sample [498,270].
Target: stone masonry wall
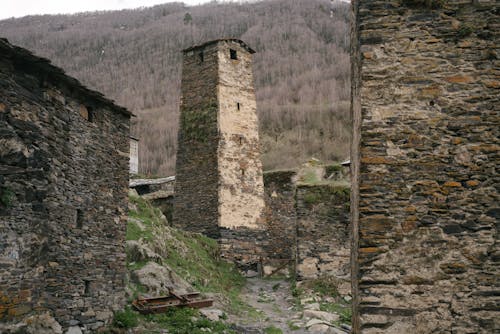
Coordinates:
[63,202]
[425,155]
[196,204]
[241,187]
[323,240]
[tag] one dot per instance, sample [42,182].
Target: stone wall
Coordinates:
[281,223]
[323,240]
[245,247]
[241,187]
[64,153]
[425,201]
[196,204]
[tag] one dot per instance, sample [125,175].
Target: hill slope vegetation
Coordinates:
[133,56]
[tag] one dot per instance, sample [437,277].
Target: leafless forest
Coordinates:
[301,69]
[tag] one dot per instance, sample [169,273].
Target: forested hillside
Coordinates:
[133,56]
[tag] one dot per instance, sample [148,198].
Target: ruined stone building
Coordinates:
[308,226]
[219,186]
[64,167]
[425,203]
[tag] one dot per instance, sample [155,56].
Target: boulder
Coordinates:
[138,251]
[36,324]
[212,314]
[158,279]
[74,330]
[319,329]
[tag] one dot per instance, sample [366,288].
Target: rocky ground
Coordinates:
[282,312]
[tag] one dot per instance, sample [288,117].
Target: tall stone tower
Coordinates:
[219,183]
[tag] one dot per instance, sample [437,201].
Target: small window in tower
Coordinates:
[241,140]
[90,116]
[201,57]
[79,218]
[238,105]
[233,54]
[243,172]
[86,288]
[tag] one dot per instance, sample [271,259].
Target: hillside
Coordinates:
[301,68]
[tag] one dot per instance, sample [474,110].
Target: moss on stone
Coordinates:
[6,196]
[198,125]
[330,169]
[464,31]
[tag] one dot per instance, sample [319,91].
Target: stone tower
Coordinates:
[219,183]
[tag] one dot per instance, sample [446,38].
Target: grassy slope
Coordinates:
[194,258]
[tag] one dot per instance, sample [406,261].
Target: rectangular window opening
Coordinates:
[241,139]
[86,290]
[79,218]
[233,54]
[238,105]
[90,117]
[243,172]
[202,58]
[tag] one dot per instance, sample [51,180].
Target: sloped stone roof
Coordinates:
[239,41]
[25,61]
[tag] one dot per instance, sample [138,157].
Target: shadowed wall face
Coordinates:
[425,200]
[63,189]
[196,187]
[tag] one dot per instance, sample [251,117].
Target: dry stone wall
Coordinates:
[64,153]
[323,240]
[281,223]
[196,204]
[425,201]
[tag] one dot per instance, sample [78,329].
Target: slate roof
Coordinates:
[25,61]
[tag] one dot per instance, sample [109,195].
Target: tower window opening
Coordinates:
[90,116]
[243,172]
[238,105]
[79,218]
[202,58]
[241,139]
[233,54]
[86,289]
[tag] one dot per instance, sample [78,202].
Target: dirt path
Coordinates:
[277,312]
[273,300]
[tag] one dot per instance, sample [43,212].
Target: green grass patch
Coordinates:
[145,215]
[324,286]
[126,318]
[187,321]
[310,176]
[292,326]
[273,330]
[334,168]
[343,310]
